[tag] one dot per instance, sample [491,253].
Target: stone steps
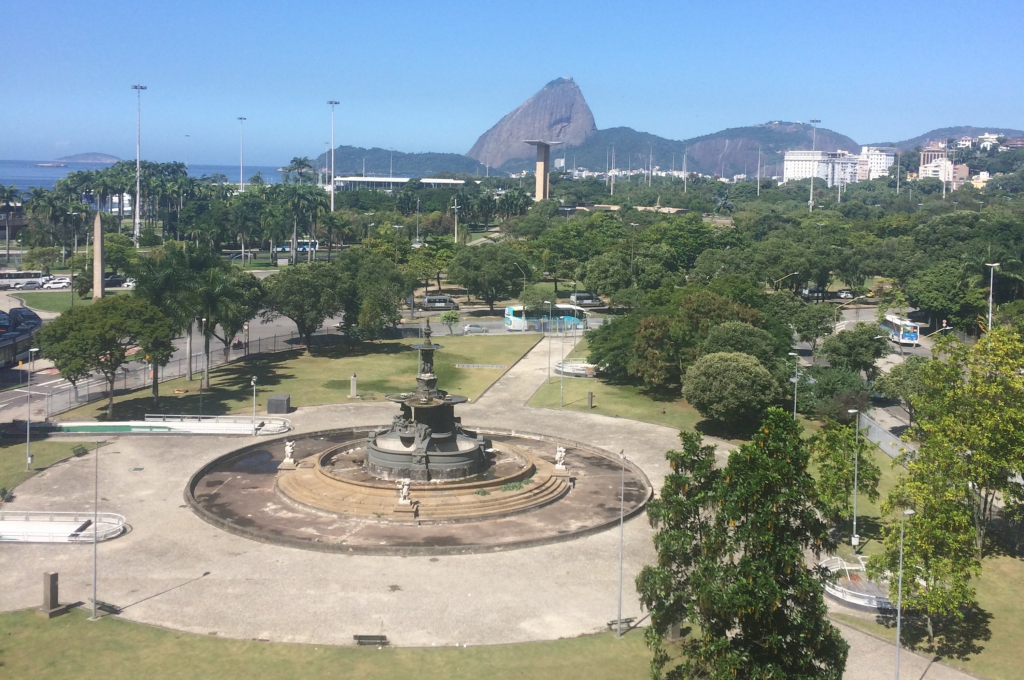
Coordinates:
[307,488]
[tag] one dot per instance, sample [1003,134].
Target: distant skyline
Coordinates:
[417,76]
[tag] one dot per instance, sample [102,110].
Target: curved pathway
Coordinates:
[175,570]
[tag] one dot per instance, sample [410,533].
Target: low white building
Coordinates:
[875,162]
[839,166]
[988,140]
[801,164]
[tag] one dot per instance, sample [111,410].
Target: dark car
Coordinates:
[113,281]
[30,285]
[23,318]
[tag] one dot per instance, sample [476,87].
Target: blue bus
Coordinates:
[902,331]
[563,317]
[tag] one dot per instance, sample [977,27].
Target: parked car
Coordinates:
[62,282]
[439,303]
[128,283]
[583,299]
[844,294]
[471,328]
[28,285]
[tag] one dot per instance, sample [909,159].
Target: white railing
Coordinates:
[34,526]
[183,424]
[841,567]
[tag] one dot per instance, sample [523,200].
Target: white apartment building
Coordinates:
[988,140]
[803,164]
[839,166]
[875,162]
[940,168]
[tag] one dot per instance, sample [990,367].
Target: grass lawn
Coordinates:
[625,401]
[57,300]
[112,649]
[323,378]
[45,452]
[991,638]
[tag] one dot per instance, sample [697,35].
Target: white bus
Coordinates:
[9,279]
[564,317]
[301,246]
[901,331]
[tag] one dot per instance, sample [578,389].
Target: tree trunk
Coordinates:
[931,632]
[156,384]
[206,362]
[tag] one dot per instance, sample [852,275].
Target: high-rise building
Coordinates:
[839,166]
[933,152]
[875,162]
[803,164]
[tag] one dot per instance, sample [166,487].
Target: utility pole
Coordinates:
[684,169]
[138,164]
[186,153]
[333,104]
[991,283]
[613,169]
[455,209]
[758,169]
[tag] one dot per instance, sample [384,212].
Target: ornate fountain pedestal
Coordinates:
[426,441]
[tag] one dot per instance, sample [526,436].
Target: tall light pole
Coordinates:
[814,166]
[95,527]
[333,104]
[991,281]
[202,378]
[854,538]
[241,176]
[551,306]
[138,164]
[899,598]
[28,422]
[795,379]
[622,516]
[253,406]
[778,281]
[186,153]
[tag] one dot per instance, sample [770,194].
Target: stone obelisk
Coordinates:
[97,258]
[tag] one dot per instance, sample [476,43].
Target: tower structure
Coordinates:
[543,190]
[97,256]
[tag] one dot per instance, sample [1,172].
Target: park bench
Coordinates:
[626,623]
[79,451]
[367,640]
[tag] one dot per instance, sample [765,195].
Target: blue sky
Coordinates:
[433,76]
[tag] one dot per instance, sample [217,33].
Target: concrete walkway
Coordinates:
[174,570]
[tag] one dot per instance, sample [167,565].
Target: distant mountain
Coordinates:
[724,153]
[91,157]
[955,132]
[349,160]
[557,113]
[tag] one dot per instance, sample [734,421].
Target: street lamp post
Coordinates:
[991,281]
[253,406]
[186,153]
[795,379]
[778,281]
[95,527]
[854,538]
[138,165]
[28,422]
[241,175]
[899,598]
[333,104]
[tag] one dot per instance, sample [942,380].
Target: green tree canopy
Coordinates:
[308,294]
[731,564]
[857,349]
[731,388]
[489,272]
[837,451]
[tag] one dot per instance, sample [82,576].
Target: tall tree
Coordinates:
[731,546]
[837,451]
[308,294]
[96,339]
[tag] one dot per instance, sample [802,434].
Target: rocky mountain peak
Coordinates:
[558,112]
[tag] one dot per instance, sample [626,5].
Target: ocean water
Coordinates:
[27,174]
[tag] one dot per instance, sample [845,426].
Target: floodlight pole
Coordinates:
[796,378]
[95,526]
[899,597]
[551,306]
[333,104]
[854,538]
[241,175]
[138,164]
[991,284]
[622,515]
[814,171]
[28,421]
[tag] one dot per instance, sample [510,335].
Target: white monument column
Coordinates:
[97,257]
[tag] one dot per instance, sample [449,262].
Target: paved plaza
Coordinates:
[175,570]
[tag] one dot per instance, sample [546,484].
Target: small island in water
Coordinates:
[91,157]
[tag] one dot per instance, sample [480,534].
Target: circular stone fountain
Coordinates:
[422,485]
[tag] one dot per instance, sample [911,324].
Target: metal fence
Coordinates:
[890,444]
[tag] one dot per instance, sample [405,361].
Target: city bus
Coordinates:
[14,347]
[902,331]
[564,317]
[9,279]
[301,246]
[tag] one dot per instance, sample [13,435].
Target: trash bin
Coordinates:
[279,404]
